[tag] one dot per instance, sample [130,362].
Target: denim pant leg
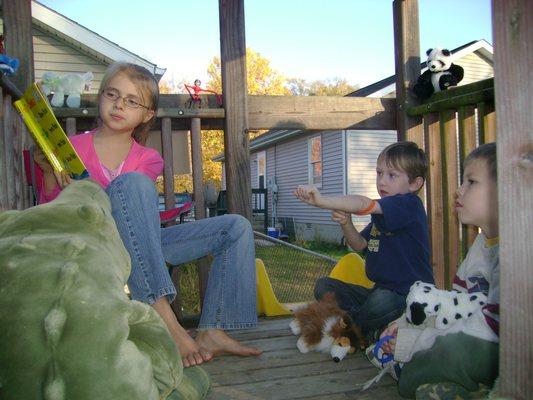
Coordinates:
[381,307]
[134,204]
[230,299]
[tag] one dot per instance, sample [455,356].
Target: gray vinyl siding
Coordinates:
[362,151]
[288,162]
[253,170]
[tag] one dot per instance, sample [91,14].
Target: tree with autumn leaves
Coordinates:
[262,79]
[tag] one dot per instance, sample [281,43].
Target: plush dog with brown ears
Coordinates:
[322,324]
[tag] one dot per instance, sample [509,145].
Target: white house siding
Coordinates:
[362,150]
[476,68]
[52,55]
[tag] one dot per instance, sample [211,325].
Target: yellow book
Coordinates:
[48,134]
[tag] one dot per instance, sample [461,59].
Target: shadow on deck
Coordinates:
[282,372]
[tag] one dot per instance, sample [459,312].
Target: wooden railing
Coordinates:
[259,204]
[454,123]
[14,189]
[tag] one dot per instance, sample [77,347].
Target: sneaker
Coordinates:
[383,361]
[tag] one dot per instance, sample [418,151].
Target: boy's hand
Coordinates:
[308,194]
[41,161]
[391,330]
[340,216]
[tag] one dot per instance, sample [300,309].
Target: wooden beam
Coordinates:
[271,112]
[407,67]
[435,197]
[320,112]
[234,92]
[18,42]
[512,22]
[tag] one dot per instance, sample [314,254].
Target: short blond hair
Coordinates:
[148,88]
[407,157]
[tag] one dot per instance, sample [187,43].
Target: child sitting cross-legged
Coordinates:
[452,362]
[396,241]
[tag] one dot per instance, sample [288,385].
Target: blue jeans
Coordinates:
[371,309]
[230,299]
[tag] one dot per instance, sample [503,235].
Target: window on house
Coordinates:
[315,161]
[261,169]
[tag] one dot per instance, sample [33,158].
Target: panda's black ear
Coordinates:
[429,51]
[446,52]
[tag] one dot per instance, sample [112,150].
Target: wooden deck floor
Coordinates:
[282,372]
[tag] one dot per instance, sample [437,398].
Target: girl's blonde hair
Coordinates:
[147,85]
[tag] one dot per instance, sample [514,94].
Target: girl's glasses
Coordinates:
[113,96]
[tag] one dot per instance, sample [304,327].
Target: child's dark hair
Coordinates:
[148,88]
[485,152]
[406,157]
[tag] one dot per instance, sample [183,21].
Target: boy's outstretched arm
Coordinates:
[352,236]
[350,203]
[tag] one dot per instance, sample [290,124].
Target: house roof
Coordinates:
[377,89]
[88,41]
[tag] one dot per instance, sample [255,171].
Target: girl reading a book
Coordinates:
[116,159]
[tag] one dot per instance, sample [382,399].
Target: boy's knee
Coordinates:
[322,286]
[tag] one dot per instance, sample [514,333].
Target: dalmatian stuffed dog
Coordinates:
[425,300]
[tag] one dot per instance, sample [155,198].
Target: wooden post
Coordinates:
[435,197]
[197,169]
[407,66]
[168,157]
[18,40]
[234,93]
[198,190]
[512,23]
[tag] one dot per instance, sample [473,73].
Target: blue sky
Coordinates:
[310,39]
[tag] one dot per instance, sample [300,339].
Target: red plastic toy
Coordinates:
[195,90]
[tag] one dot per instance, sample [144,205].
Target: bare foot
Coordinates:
[216,342]
[191,354]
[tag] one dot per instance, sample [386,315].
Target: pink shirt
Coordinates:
[139,159]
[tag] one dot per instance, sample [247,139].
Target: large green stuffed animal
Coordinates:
[67,329]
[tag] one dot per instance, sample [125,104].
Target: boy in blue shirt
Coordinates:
[396,241]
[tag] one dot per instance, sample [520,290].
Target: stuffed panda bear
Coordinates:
[440,75]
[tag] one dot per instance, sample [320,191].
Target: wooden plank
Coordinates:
[234,92]
[304,386]
[9,129]
[275,112]
[486,121]
[450,168]
[199,202]
[320,112]
[168,173]
[467,142]
[512,23]
[3,165]
[459,96]
[16,16]
[434,196]
[70,126]
[407,66]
